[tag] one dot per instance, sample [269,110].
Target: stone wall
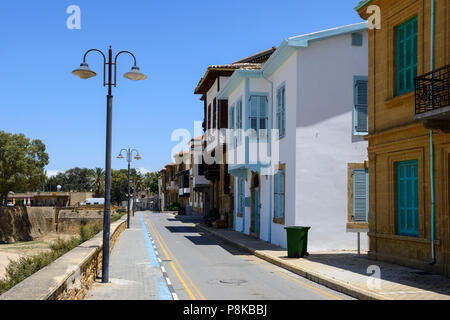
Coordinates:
[42,220]
[14,225]
[70,220]
[28,223]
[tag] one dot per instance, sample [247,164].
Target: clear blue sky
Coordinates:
[174,42]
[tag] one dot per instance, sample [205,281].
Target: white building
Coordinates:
[307,92]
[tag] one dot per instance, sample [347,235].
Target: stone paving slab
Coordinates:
[133,274]
[347,272]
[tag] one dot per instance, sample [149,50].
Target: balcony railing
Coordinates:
[433,90]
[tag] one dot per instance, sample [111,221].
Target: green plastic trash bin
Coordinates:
[297,241]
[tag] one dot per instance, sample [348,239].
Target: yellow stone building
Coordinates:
[409,132]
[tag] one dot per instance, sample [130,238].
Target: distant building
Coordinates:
[49,199]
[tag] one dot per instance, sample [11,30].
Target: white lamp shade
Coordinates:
[135,74]
[84,72]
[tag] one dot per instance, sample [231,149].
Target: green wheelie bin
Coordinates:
[297,241]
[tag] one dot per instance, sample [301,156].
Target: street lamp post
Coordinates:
[84,72]
[129,160]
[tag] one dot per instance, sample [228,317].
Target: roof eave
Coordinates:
[362,4]
[234,81]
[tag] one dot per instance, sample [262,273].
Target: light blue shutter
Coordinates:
[279,194]
[283,112]
[360,195]
[360,97]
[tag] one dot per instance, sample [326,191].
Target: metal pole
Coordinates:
[359,243]
[134,195]
[128,211]
[107,209]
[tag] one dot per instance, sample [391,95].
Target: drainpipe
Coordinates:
[433,200]
[270,146]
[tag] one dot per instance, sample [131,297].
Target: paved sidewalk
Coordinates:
[134,273]
[346,271]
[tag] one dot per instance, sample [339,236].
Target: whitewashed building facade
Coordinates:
[308,93]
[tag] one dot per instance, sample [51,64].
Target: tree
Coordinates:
[75,179]
[22,163]
[151,181]
[98,182]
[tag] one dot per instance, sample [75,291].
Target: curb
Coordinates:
[329,282]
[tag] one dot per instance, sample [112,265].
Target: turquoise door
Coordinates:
[256,210]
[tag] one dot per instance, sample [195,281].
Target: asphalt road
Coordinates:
[201,267]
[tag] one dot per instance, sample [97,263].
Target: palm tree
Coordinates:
[97,180]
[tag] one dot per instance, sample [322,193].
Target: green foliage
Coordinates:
[22,163]
[97,180]
[151,181]
[76,179]
[174,206]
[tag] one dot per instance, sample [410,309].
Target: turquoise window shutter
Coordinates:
[281,111]
[361,105]
[406,35]
[408,198]
[279,194]
[360,195]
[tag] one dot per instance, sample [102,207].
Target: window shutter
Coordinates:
[406,55]
[283,112]
[360,97]
[360,195]
[408,198]
[223,105]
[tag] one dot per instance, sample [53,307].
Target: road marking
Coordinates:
[315,290]
[163,290]
[191,295]
[178,264]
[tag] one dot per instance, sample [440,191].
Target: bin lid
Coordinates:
[297,228]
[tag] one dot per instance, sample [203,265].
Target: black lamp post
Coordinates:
[129,160]
[84,72]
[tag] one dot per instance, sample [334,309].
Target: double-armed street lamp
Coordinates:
[84,72]
[129,152]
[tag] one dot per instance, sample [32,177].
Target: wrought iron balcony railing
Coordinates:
[432,90]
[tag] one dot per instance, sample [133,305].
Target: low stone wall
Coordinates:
[70,276]
[14,225]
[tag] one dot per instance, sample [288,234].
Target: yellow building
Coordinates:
[409,139]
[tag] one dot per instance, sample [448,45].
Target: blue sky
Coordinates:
[174,42]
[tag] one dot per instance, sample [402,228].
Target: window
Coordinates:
[209,117]
[406,56]
[407,198]
[214,114]
[239,121]
[231,118]
[360,195]
[241,196]
[357,39]
[281,111]
[279,188]
[258,115]
[360,105]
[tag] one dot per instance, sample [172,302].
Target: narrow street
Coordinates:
[200,267]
